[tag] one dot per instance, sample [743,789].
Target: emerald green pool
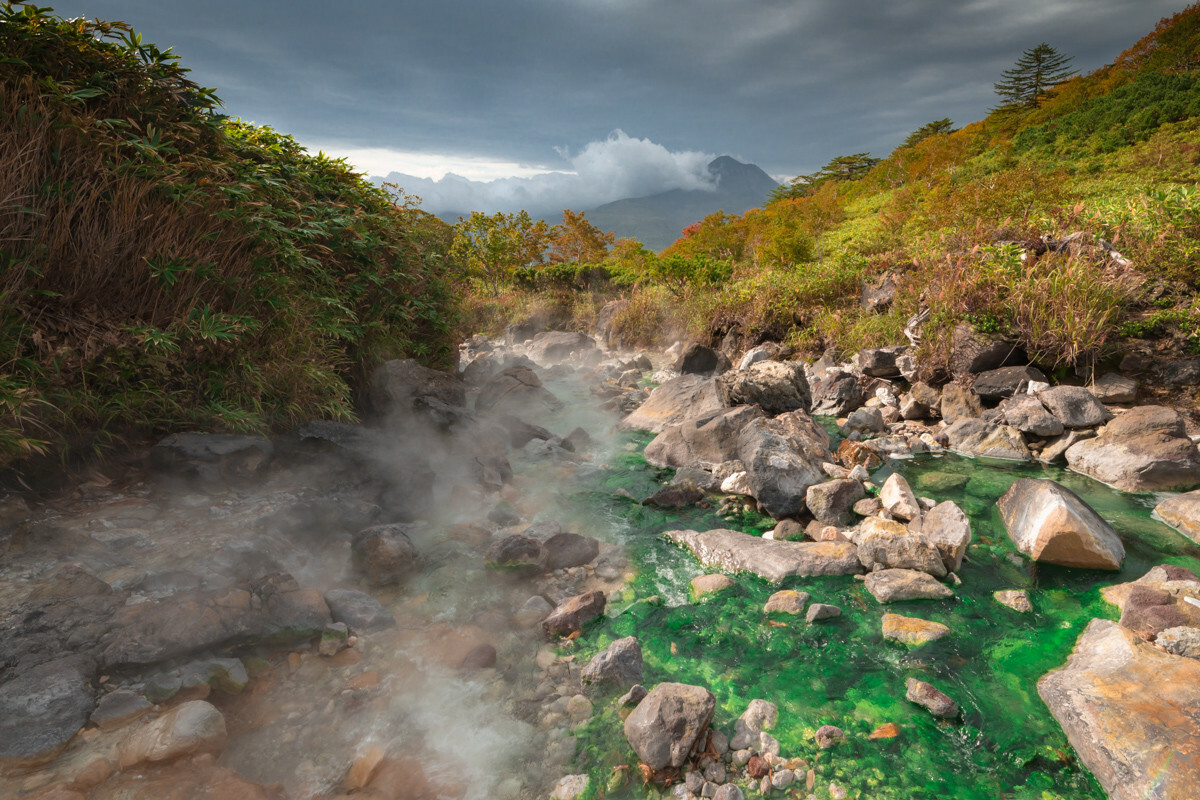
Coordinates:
[842,671]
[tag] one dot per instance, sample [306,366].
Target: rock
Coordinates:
[818,611]
[1074,406]
[1050,523]
[786,601]
[740,552]
[701,442]
[703,585]
[1142,450]
[1028,415]
[118,708]
[1128,710]
[1113,387]
[520,553]
[977,438]
[551,347]
[830,502]
[573,613]
[836,394]
[212,456]
[864,422]
[894,585]
[516,391]
[1016,599]
[898,499]
[783,457]
[828,735]
[759,716]
[667,724]
[774,386]
[569,787]
[188,729]
[696,359]
[923,694]
[1182,641]
[996,384]
[403,391]
[673,402]
[361,612]
[42,709]
[384,554]
[947,528]
[887,545]
[617,666]
[972,351]
[1182,512]
[570,550]
[959,402]
[911,630]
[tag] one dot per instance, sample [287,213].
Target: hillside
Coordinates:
[656,220]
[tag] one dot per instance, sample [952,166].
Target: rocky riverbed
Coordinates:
[572,572]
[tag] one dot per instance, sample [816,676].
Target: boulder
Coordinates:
[212,456]
[996,384]
[783,457]
[573,613]
[912,630]
[361,612]
[1142,450]
[1129,712]
[830,502]
[958,402]
[898,499]
[1028,415]
[668,723]
[923,694]
[894,585]
[1051,524]
[188,729]
[741,552]
[836,394]
[696,359]
[1113,387]
[701,442]
[42,709]
[673,402]
[977,438]
[886,545]
[947,528]
[551,347]
[403,390]
[516,391]
[973,351]
[1074,406]
[774,386]
[880,362]
[1182,512]
[618,666]
[384,554]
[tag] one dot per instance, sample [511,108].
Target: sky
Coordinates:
[572,103]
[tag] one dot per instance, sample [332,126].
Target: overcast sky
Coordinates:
[492,89]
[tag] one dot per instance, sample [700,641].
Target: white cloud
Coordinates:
[617,167]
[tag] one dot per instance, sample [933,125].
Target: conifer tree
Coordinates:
[1032,78]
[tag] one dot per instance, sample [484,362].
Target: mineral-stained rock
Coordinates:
[617,666]
[893,585]
[574,612]
[1050,523]
[674,401]
[924,694]
[769,559]
[774,386]
[667,724]
[911,630]
[1129,711]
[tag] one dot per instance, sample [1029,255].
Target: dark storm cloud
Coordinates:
[787,85]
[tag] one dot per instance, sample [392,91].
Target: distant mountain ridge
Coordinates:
[657,220]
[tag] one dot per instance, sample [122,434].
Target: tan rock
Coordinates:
[912,630]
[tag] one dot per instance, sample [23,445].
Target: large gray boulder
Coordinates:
[673,402]
[1129,712]
[774,386]
[1074,406]
[773,560]
[668,723]
[783,457]
[1142,450]
[702,442]
[1050,523]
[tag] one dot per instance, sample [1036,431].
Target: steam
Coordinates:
[617,167]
